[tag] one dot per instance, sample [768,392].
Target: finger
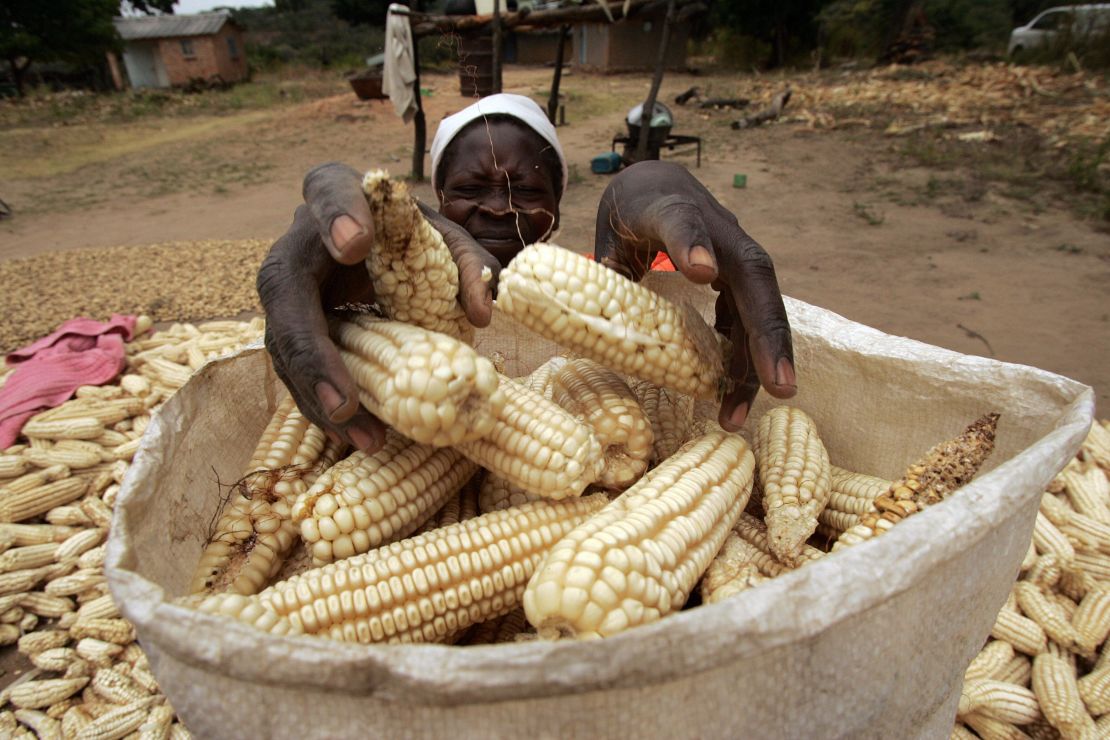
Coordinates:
[750,277]
[474,263]
[745,382]
[334,194]
[676,223]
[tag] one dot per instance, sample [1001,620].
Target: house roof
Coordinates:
[163,26]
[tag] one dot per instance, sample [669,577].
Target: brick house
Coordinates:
[172,50]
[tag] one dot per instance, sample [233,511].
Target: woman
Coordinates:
[499,173]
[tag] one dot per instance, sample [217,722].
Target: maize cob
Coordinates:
[119,631]
[107,411]
[508,628]
[74,721]
[45,605]
[31,556]
[75,457]
[990,661]
[81,427]
[1094,690]
[1021,632]
[1046,612]
[944,469]
[1019,670]
[119,722]
[1045,572]
[44,692]
[71,517]
[496,494]
[960,732]
[365,501]
[606,317]
[1006,702]
[98,392]
[638,559]
[537,446]
[9,634]
[754,532]
[156,726]
[116,687]
[54,659]
[1050,540]
[1088,490]
[45,727]
[255,532]
[671,414]
[79,543]
[58,710]
[458,508]
[539,380]
[75,583]
[460,574]
[795,477]
[1079,529]
[12,466]
[600,398]
[851,496]
[36,642]
[734,569]
[18,507]
[1094,563]
[1092,620]
[1057,693]
[34,479]
[428,386]
[97,652]
[415,278]
[178,732]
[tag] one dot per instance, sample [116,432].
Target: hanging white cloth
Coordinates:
[398,72]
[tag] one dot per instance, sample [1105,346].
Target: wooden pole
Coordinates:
[420,131]
[553,98]
[425,24]
[656,81]
[496,46]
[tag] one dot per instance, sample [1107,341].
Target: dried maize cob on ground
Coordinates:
[606,317]
[794,475]
[639,559]
[255,530]
[601,398]
[415,278]
[671,414]
[944,469]
[422,589]
[429,386]
[366,501]
[1061,624]
[537,446]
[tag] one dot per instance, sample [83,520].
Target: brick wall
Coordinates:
[210,56]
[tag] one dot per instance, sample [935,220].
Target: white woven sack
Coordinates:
[868,642]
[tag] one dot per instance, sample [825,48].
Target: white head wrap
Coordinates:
[525,110]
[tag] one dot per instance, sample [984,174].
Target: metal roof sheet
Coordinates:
[163,26]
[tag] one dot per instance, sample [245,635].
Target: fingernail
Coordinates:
[784,374]
[360,438]
[738,416]
[343,230]
[329,398]
[700,256]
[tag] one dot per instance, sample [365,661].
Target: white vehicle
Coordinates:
[1081,21]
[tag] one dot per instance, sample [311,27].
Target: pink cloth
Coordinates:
[80,352]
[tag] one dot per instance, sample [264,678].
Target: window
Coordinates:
[1052,21]
[187,49]
[232,47]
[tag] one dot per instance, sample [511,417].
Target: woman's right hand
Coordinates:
[318,265]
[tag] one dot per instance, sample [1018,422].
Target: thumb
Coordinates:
[677,222]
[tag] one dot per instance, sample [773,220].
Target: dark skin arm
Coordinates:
[316,266]
[659,206]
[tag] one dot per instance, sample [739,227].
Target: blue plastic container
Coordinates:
[605,164]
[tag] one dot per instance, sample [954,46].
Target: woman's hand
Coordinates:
[318,265]
[656,206]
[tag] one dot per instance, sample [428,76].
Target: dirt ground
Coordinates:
[852,223]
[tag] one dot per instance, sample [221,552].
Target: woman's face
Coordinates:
[498,187]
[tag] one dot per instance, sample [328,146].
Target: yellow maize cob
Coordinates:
[107,412]
[1096,447]
[97,511]
[82,427]
[608,318]
[1088,491]
[795,477]
[1049,539]
[600,398]
[34,479]
[156,726]
[428,386]
[460,574]
[75,583]
[537,446]
[638,559]
[990,661]
[13,465]
[365,501]
[99,392]
[851,496]
[45,605]
[1094,690]
[1092,620]
[671,414]
[734,569]
[989,728]
[415,278]
[96,651]
[79,543]
[17,507]
[178,732]
[1046,612]
[1019,670]
[1078,528]
[70,456]
[944,469]
[1057,692]
[1003,701]
[1045,572]
[1093,563]
[961,732]
[119,631]
[32,556]
[70,516]
[36,642]
[116,687]
[1020,631]
[119,722]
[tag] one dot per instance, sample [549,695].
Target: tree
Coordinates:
[361,12]
[150,7]
[74,31]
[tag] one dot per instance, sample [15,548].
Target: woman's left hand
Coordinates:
[656,206]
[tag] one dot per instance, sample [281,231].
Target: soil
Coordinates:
[852,224]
